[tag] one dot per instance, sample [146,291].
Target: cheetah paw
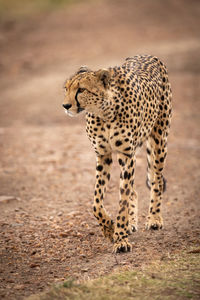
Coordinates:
[154,223]
[122,246]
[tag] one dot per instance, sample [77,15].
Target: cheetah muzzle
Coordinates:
[125,106]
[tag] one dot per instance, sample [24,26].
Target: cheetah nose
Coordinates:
[67,106]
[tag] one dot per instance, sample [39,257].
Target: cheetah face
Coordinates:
[86,90]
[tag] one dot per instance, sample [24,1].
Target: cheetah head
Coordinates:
[87,90]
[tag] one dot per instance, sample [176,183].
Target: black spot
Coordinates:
[100,214]
[102,146]
[118,143]
[127,149]
[121,210]
[121,190]
[148,151]
[99,168]
[124,202]
[131,165]
[108,161]
[125,175]
[164,184]
[121,162]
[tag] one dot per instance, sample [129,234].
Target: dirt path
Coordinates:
[47,165]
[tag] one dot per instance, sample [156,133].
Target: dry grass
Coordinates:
[177,277]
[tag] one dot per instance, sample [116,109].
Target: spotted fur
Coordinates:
[125,106]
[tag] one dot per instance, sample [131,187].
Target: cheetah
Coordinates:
[125,106]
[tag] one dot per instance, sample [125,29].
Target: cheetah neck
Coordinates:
[107,110]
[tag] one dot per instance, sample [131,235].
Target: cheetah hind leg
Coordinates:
[156,155]
[133,213]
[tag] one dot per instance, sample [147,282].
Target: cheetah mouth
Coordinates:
[80,109]
[69,113]
[73,114]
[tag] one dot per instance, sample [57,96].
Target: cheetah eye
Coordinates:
[81,90]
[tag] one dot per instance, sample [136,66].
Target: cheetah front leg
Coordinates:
[127,215]
[103,166]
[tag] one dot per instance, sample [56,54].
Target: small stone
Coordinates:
[34,265]
[91,233]
[84,270]
[64,234]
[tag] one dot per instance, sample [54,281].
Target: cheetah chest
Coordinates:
[109,138]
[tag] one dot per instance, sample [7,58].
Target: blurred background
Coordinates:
[43,41]
[47,165]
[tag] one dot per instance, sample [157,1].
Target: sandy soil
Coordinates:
[47,165]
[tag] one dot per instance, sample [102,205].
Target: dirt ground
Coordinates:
[47,166]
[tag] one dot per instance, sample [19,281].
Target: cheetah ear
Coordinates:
[82,69]
[104,76]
